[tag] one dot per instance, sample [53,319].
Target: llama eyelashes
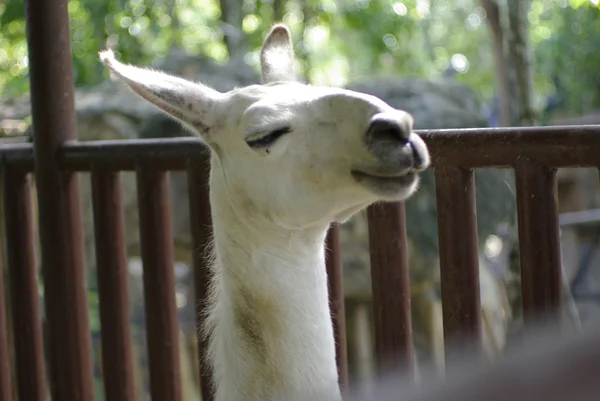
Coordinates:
[261,141]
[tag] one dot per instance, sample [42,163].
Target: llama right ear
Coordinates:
[277,60]
[192,104]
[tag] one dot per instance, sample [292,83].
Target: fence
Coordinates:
[56,157]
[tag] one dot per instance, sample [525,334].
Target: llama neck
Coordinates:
[272,336]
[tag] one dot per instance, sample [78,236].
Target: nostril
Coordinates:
[391,128]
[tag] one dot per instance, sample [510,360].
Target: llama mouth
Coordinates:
[389,186]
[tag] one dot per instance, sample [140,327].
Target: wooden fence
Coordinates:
[56,157]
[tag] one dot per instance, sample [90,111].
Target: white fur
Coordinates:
[269,327]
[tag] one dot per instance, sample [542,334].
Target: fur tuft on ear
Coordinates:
[107,56]
[277,56]
[191,103]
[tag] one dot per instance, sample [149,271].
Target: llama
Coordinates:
[287,160]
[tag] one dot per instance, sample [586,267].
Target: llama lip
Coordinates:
[386,185]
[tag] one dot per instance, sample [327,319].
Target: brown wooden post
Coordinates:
[113,290]
[27,320]
[61,237]
[539,244]
[459,258]
[5,357]
[162,325]
[391,287]
[201,226]
[335,277]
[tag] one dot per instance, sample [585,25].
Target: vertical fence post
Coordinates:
[162,325]
[5,357]
[53,117]
[459,258]
[539,244]
[111,261]
[201,226]
[391,286]
[27,321]
[333,259]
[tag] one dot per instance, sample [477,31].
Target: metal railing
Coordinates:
[56,157]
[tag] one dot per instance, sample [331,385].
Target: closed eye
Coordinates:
[264,141]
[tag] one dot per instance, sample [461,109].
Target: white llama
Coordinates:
[287,160]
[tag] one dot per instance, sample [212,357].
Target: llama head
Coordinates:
[292,154]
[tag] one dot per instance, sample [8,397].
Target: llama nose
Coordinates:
[390,139]
[393,127]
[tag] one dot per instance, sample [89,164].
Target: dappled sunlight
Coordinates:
[400,9]
[460,63]
[336,40]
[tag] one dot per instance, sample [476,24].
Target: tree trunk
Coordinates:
[278,10]
[502,72]
[232,16]
[302,52]
[521,56]
[175,39]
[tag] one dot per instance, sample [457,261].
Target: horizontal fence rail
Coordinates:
[556,147]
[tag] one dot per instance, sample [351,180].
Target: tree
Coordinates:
[513,56]
[232,16]
[341,39]
[521,57]
[500,58]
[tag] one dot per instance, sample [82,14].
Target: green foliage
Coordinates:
[137,30]
[568,53]
[336,40]
[13,49]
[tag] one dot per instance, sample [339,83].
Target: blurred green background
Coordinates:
[336,39]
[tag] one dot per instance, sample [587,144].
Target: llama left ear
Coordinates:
[277,60]
[193,104]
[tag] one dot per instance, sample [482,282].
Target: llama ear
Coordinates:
[277,60]
[192,104]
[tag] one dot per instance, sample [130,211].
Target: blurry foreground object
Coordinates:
[546,366]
